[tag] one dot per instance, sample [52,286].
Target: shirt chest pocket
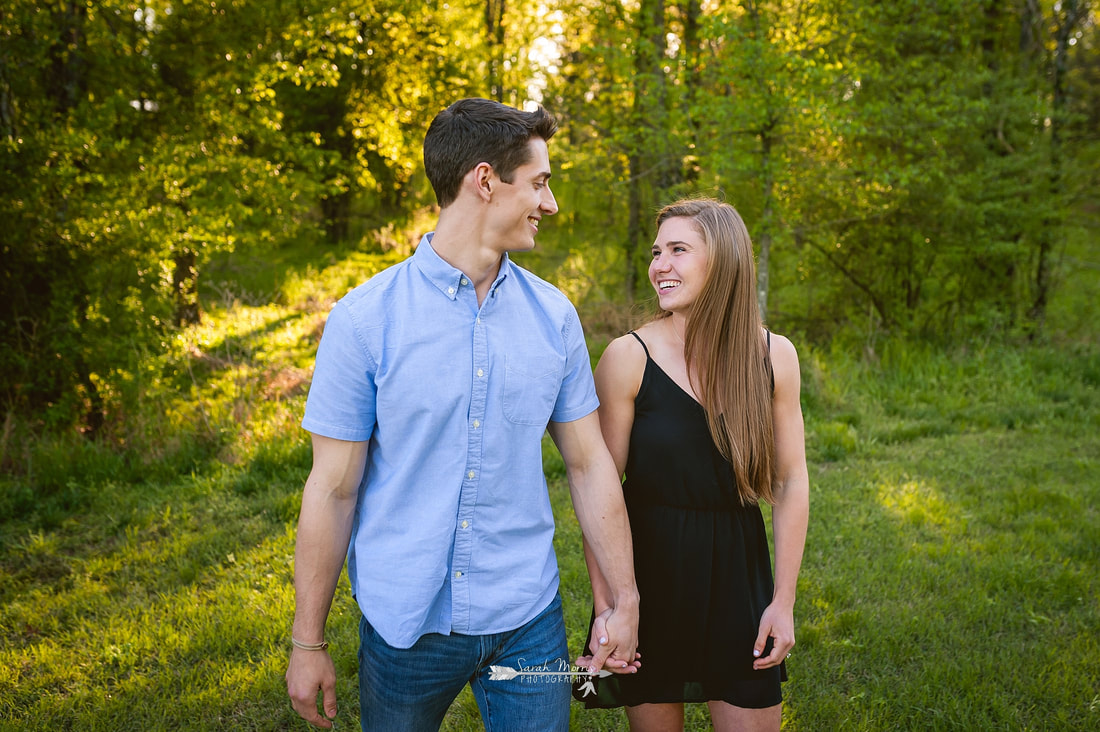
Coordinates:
[531,389]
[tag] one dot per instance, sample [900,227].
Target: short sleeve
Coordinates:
[342,398]
[577,397]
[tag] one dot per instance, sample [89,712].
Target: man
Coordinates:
[434,383]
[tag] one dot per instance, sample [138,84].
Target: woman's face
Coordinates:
[679,264]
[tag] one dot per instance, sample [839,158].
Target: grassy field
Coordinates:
[951,579]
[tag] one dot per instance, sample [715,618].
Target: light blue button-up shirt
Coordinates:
[453,531]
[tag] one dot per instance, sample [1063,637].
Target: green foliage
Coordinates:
[128,184]
[138,141]
[950,579]
[892,161]
[906,170]
[185,187]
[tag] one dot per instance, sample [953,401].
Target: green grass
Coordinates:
[950,579]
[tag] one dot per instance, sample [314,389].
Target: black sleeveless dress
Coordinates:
[701,561]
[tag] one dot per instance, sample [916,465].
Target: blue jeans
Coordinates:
[409,690]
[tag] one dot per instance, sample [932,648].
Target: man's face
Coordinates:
[518,207]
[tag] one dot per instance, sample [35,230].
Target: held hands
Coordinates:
[778,623]
[308,673]
[614,641]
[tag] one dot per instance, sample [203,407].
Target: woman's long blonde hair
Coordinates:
[727,359]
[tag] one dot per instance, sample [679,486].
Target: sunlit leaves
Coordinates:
[899,158]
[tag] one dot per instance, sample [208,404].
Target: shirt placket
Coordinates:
[467,500]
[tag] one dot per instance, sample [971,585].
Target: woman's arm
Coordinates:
[790,513]
[618,376]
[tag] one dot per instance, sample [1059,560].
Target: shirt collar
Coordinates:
[447,278]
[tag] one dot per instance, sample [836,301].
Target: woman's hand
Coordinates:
[778,623]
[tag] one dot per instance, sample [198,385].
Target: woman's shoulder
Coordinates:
[784,356]
[626,349]
[777,343]
[645,341]
[621,366]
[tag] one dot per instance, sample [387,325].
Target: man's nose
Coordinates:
[549,205]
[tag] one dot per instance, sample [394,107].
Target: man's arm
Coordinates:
[598,503]
[324,530]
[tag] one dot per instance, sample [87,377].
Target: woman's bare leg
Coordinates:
[728,718]
[656,718]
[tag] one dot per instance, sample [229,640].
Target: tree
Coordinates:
[759,104]
[620,97]
[919,216]
[1067,17]
[147,137]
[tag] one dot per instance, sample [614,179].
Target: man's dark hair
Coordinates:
[473,131]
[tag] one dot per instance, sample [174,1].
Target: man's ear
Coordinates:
[483,180]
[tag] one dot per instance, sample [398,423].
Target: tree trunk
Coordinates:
[649,133]
[335,210]
[764,242]
[185,287]
[7,108]
[633,226]
[1066,21]
[689,171]
[767,137]
[68,80]
[494,40]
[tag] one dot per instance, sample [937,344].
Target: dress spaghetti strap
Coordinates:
[768,361]
[642,342]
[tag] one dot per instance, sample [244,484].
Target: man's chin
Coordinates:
[522,246]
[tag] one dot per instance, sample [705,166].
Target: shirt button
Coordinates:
[450,290]
[458,574]
[480,372]
[470,475]
[465,524]
[476,424]
[464,281]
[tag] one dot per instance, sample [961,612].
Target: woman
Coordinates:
[700,409]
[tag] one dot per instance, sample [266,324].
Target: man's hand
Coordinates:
[613,638]
[308,673]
